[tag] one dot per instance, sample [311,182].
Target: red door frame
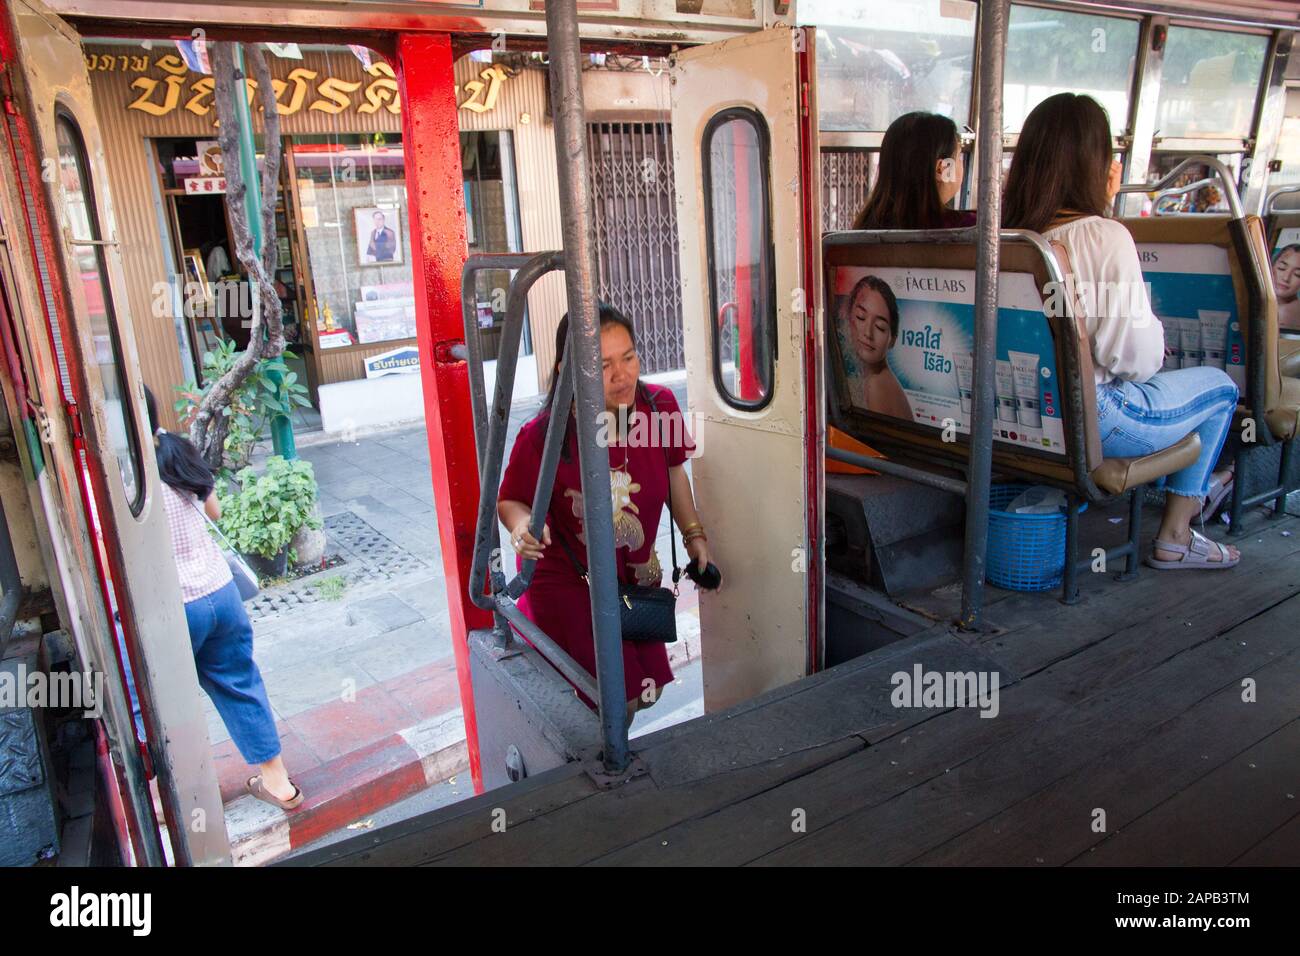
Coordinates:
[91,484]
[431,144]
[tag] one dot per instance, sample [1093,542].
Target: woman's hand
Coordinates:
[1114,180]
[698,549]
[522,540]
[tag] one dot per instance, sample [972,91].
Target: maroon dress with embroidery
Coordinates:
[557,600]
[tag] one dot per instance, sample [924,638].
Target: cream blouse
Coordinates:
[1128,341]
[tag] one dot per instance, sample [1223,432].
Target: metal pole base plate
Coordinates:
[602,778]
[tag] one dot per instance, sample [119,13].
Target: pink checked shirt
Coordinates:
[202,566]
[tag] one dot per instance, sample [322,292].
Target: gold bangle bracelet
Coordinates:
[693,526]
[688,538]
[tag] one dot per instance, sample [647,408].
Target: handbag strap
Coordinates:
[672,531]
[194,503]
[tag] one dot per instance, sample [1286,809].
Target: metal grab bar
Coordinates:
[1166,182]
[490,436]
[1175,191]
[490,427]
[1270,204]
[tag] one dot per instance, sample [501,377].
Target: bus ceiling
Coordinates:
[624,28]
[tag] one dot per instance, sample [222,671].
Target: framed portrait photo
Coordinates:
[379,235]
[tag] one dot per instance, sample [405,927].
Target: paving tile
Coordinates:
[410,506]
[308,640]
[427,595]
[387,612]
[427,691]
[337,728]
[401,651]
[314,682]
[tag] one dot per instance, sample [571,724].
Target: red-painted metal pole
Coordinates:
[431,139]
[743,153]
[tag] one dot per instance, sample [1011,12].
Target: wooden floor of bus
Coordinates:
[1122,737]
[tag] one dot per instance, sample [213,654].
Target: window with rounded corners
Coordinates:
[737,217]
[1059,51]
[91,270]
[1209,83]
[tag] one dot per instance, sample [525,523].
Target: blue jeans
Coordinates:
[222,639]
[1140,418]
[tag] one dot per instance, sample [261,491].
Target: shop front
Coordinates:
[343,260]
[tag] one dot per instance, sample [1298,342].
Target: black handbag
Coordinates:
[647,613]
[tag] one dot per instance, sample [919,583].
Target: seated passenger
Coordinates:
[1063,183]
[920,173]
[641,470]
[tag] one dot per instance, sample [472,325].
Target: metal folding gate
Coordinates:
[636,235]
[846,180]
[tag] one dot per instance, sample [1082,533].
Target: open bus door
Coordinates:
[745,134]
[89,386]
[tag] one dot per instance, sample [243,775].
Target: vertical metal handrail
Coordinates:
[578,227]
[490,434]
[979,475]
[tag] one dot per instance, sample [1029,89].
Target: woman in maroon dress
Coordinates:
[642,462]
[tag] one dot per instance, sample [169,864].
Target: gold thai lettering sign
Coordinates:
[164,84]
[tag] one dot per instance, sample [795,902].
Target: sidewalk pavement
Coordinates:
[363,682]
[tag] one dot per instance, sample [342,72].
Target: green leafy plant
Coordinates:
[254,402]
[266,510]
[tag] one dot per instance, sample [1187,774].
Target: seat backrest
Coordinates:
[1211,287]
[908,388]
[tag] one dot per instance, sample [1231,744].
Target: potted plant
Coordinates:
[261,517]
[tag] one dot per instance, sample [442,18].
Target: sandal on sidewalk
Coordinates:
[1194,555]
[254,785]
[1219,491]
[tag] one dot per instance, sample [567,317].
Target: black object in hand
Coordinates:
[709,579]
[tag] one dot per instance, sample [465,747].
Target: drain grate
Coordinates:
[367,557]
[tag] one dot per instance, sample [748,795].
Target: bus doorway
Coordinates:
[100,496]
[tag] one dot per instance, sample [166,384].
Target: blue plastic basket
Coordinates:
[1026,552]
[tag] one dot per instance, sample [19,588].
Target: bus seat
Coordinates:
[1115,476]
[1241,243]
[1056,442]
[1270,398]
[1289,357]
[1078,465]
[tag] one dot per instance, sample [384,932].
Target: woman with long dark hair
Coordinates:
[920,173]
[1062,183]
[643,463]
[221,635]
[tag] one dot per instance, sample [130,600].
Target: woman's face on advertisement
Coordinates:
[1286,274]
[621,366]
[869,323]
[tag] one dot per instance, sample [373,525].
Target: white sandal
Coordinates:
[1196,554]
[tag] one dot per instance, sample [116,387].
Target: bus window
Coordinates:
[1055,51]
[737,218]
[877,61]
[83,224]
[1209,84]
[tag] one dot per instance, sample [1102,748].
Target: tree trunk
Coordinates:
[266,330]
